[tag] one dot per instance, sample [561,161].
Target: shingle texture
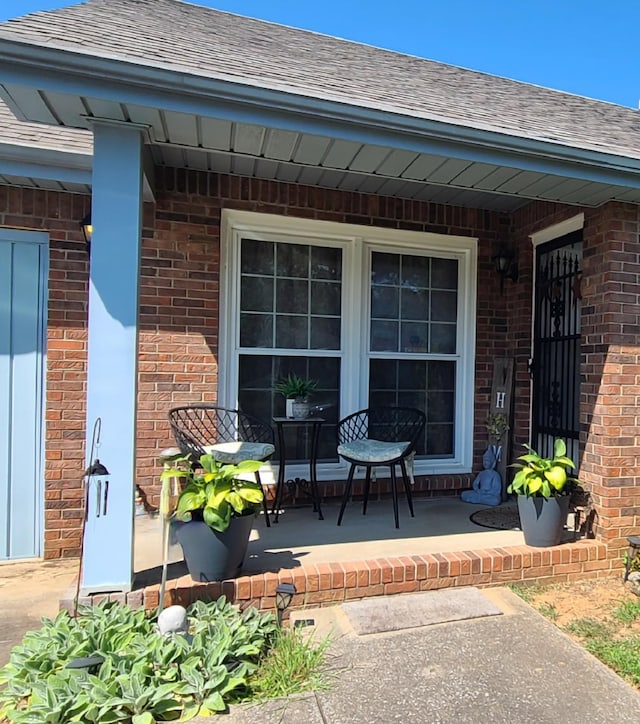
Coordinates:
[36,134]
[184,37]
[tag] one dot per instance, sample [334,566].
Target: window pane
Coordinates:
[256,294]
[425,384]
[415,304]
[410,280]
[444,274]
[325,298]
[292,296]
[292,260]
[415,272]
[326,263]
[384,302]
[415,337]
[256,257]
[325,333]
[258,375]
[384,336]
[292,332]
[385,268]
[444,306]
[256,330]
[443,338]
[306,280]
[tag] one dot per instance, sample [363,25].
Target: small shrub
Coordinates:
[144,677]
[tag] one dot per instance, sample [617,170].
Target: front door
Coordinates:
[23,294]
[556,345]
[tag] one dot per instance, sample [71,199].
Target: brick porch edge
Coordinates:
[325,584]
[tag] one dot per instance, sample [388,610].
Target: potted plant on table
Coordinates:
[296,391]
[214,514]
[544,491]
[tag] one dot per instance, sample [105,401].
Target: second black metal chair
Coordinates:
[230,435]
[380,436]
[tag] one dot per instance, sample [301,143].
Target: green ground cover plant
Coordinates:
[146,678]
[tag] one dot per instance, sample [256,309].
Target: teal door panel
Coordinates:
[23,276]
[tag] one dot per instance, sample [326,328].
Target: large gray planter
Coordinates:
[213,556]
[543,519]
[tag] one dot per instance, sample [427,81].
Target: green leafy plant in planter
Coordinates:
[296,391]
[543,488]
[214,513]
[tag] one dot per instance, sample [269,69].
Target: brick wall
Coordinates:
[611,370]
[59,214]
[180,290]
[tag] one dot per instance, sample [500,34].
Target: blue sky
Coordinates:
[587,47]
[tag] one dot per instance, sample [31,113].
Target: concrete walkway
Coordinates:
[511,668]
[498,661]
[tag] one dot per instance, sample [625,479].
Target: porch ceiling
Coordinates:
[221,144]
[225,93]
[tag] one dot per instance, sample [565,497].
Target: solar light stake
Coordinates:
[284,593]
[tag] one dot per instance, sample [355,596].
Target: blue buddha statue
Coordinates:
[487,487]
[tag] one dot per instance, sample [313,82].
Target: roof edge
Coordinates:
[66,71]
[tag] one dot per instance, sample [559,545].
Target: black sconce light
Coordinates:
[87,231]
[284,593]
[506,267]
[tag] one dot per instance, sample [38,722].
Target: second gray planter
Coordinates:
[543,519]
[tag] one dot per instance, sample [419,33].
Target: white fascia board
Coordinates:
[75,73]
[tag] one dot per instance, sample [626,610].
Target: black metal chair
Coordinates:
[380,436]
[231,436]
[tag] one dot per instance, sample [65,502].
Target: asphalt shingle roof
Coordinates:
[56,138]
[189,38]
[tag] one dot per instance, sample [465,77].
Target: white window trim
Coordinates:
[356,242]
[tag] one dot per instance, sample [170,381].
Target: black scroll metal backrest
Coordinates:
[196,426]
[387,424]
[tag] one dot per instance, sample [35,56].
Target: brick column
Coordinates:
[610,368]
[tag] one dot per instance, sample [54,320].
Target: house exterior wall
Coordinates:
[179,299]
[610,356]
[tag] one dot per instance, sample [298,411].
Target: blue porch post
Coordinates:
[116,214]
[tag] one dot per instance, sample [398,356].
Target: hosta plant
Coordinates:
[543,477]
[215,492]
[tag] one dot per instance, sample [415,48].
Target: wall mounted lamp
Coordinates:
[506,267]
[87,231]
[284,594]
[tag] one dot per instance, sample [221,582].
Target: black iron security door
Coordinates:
[556,345]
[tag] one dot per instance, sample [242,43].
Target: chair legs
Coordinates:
[394,494]
[347,492]
[367,484]
[407,487]
[264,500]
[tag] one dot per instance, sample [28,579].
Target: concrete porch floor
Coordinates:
[440,525]
[366,556]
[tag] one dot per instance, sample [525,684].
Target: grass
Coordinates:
[526,592]
[548,610]
[627,612]
[294,664]
[612,637]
